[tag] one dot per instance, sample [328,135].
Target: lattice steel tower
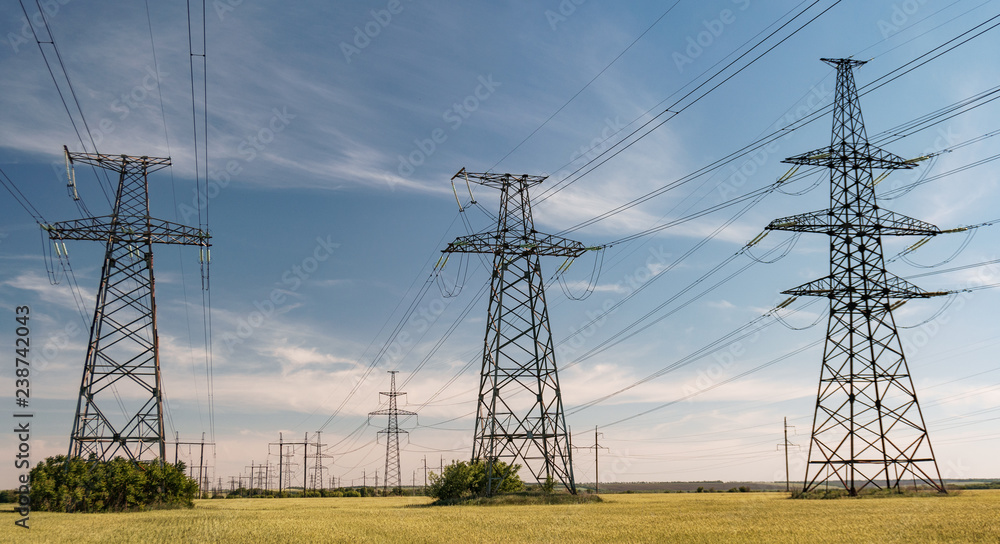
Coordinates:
[868,429]
[520,413]
[120,409]
[392,473]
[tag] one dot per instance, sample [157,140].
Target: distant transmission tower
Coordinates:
[867,427]
[520,414]
[392,473]
[120,409]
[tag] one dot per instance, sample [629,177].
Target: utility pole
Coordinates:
[518,352]
[425,474]
[597,456]
[785,446]
[119,411]
[867,425]
[282,464]
[392,431]
[201,460]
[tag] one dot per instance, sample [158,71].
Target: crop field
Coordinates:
[969,516]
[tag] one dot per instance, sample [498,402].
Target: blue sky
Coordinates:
[340,125]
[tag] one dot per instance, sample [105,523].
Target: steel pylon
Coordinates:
[120,407]
[392,472]
[868,429]
[520,415]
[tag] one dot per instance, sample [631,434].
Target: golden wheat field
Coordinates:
[970,516]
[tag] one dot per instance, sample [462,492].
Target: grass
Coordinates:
[871,494]
[520,499]
[973,516]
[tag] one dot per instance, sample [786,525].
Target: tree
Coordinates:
[59,484]
[461,479]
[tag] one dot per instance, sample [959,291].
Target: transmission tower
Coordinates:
[392,430]
[120,408]
[868,429]
[518,355]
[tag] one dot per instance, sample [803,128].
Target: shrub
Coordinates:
[59,484]
[461,479]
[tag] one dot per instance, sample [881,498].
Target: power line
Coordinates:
[592,80]
[673,108]
[62,98]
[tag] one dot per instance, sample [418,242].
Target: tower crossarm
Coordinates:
[891,287]
[838,155]
[498,181]
[515,246]
[830,222]
[141,230]
[392,412]
[118,163]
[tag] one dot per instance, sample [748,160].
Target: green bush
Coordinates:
[461,479]
[118,485]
